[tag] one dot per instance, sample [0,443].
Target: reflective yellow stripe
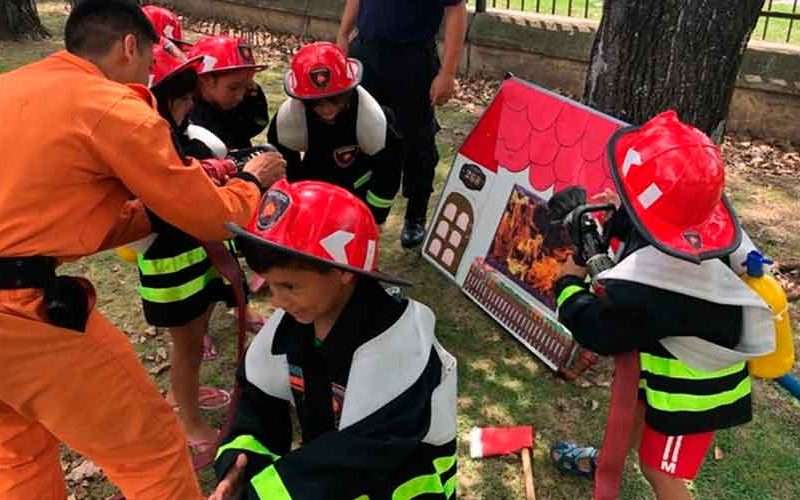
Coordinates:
[676,369]
[377,201]
[420,485]
[430,483]
[567,293]
[450,486]
[178,293]
[269,485]
[443,465]
[246,443]
[362,180]
[665,401]
[167,265]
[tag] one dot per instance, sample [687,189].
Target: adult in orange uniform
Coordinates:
[78,145]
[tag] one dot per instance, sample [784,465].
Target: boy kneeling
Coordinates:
[375,393]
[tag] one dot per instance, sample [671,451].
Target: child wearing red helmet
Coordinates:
[375,392]
[230,103]
[166,24]
[673,310]
[346,138]
[179,280]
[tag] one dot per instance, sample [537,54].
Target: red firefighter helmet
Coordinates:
[320,222]
[321,70]
[671,177]
[169,60]
[224,53]
[166,24]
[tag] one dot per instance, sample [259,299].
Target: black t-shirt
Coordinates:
[400,21]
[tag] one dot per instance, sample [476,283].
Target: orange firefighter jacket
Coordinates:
[76,148]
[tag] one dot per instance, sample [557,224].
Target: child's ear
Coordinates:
[347,277]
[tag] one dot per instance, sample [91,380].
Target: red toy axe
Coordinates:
[493,441]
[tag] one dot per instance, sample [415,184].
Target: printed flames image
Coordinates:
[526,248]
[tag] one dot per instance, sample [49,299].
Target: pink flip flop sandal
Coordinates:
[213,398]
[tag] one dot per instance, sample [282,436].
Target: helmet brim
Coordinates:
[359,75]
[717,236]
[377,275]
[194,62]
[226,69]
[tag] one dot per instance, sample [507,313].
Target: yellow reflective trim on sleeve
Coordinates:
[567,293]
[377,201]
[362,180]
[450,486]
[429,483]
[246,442]
[420,485]
[268,485]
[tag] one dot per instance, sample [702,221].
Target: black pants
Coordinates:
[399,76]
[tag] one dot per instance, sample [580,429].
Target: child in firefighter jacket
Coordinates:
[673,297]
[374,391]
[345,136]
[229,103]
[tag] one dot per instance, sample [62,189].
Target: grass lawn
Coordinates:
[501,383]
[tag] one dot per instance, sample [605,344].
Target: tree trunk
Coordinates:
[19,19]
[649,56]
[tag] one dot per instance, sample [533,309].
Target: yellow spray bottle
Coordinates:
[780,362]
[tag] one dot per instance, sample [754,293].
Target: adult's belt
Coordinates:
[67,300]
[26,272]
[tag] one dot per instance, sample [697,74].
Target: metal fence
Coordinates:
[776,24]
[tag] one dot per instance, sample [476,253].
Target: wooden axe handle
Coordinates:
[527,472]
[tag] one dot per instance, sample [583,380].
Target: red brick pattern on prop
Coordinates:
[559,141]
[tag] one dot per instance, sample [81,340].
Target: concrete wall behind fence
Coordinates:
[548,50]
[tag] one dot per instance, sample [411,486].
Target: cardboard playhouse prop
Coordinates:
[491,231]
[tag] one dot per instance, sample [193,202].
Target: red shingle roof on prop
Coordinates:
[559,141]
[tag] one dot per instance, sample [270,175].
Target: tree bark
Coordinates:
[649,56]
[20,19]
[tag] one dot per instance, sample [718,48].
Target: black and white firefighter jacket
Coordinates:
[360,151]
[376,402]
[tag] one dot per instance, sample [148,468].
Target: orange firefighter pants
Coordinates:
[89,391]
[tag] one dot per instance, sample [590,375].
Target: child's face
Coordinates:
[308,295]
[328,108]
[226,90]
[181,107]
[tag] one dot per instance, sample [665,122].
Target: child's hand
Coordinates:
[231,485]
[607,196]
[268,168]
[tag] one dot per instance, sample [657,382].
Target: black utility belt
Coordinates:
[66,299]
[26,272]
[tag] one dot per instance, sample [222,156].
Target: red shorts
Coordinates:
[677,456]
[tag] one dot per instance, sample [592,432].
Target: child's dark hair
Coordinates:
[174,87]
[261,258]
[94,26]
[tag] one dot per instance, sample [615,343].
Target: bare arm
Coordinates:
[455,26]
[347,25]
